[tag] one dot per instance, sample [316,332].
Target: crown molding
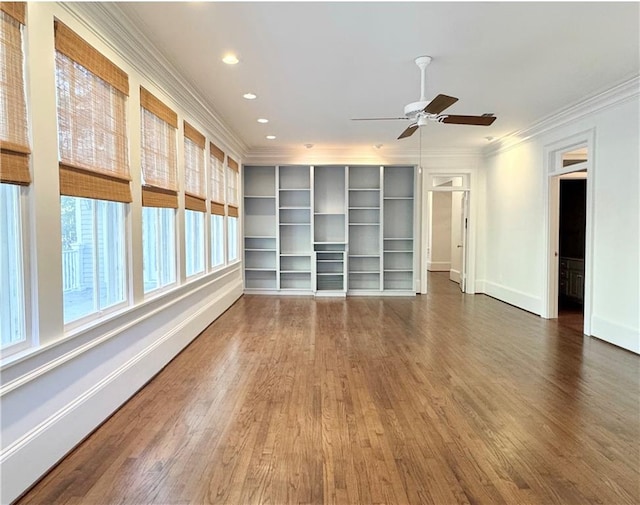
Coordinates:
[611,97]
[352,155]
[108,23]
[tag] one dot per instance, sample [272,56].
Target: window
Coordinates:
[217,240]
[216,164]
[94,177]
[232,234]
[194,237]
[14,172]
[232,210]
[159,191]
[12,309]
[158,247]
[93,256]
[195,199]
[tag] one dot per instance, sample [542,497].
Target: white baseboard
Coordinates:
[454,275]
[27,459]
[438,266]
[616,334]
[511,296]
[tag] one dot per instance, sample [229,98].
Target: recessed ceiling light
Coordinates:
[308,146]
[377,146]
[250,96]
[263,120]
[271,137]
[230,59]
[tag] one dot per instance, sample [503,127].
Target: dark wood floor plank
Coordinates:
[439,399]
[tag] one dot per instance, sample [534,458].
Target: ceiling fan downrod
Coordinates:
[422,62]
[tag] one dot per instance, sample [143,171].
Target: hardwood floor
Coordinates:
[442,399]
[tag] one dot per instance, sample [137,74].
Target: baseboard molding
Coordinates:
[454,275]
[616,334]
[438,266]
[510,296]
[32,455]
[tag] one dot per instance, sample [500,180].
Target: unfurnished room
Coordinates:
[300,253]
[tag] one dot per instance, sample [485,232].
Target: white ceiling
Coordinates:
[316,65]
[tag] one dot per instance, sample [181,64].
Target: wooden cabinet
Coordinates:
[572,279]
[329,230]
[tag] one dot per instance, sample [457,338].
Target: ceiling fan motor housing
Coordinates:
[411,110]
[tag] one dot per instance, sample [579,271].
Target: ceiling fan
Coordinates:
[423,111]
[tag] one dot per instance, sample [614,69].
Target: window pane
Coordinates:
[158,247]
[194,238]
[111,253]
[232,237]
[217,240]
[12,316]
[93,256]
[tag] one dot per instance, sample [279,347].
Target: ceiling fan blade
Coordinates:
[484,120]
[439,103]
[377,118]
[411,129]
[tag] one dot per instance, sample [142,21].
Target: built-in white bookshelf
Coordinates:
[364,229]
[260,228]
[295,227]
[398,241]
[329,230]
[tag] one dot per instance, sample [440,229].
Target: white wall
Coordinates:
[514,252]
[55,393]
[440,243]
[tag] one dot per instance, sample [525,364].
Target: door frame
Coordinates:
[553,169]
[468,182]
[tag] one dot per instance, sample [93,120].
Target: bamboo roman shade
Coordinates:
[92,139]
[195,186]
[14,143]
[232,182]
[158,152]
[216,165]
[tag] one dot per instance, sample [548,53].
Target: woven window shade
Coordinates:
[155,106]
[194,135]
[17,10]
[233,211]
[158,153]
[232,186]
[216,152]
[195,186]
[216,164]
[91,122]
[217,208]
[14,144]
[77,49]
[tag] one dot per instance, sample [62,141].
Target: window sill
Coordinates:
[113,322]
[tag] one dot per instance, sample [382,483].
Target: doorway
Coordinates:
[571,248]
[447,229]
[569,224]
